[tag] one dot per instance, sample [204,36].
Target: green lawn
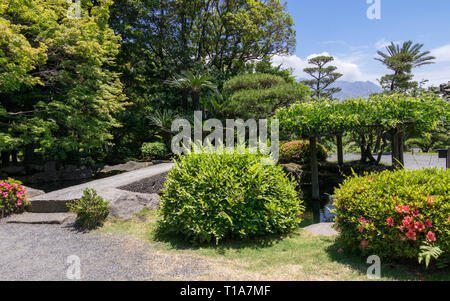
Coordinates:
[299,256]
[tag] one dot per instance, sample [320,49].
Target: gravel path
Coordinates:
[416,161]
[40,252]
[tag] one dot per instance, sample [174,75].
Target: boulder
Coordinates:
[125,204]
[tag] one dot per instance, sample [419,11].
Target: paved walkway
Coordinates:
[101,185]
[416,161]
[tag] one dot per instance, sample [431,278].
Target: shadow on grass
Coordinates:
[395,270]
[179,242]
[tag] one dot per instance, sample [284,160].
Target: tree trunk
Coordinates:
[401,149]
[395,148]
[5,158]
[315,178]
[14,157]
[363,149]
[314,169]
[340,151]
[195,100]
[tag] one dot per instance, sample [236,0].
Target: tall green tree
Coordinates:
[57,92]
[401,59]
[322,77]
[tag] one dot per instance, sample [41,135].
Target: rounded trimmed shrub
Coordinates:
[12,197]
[154,150]
[396,214]
[215,196]
[299,152]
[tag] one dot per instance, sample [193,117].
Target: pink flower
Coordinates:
[415,213]
[19,202]
[407,221]
[430,200]
[399,208]
[428,223]
[390,222]
[411,235]
[406,209]
[364,244]
[361,229]
[420,226]
[431,236]
[340,251]
[5,194]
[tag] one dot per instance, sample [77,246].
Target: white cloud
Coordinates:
[442,54]
[382,43]
[348,67]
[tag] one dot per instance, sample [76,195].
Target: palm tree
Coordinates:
[402,59]
[192,83]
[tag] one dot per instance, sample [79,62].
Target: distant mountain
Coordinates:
[355,89]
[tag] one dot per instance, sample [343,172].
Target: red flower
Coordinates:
[431,237]
[430,200]
[416,213]
[399,208]
[390,221]
[406,221]
[406,209]
[411,235]
[364,244]
[428,223]
[361,229]
[420,226]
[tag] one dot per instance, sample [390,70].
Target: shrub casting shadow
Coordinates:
[179,242]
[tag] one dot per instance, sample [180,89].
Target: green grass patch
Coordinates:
[298,256]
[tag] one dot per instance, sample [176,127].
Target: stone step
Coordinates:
[322,229]
[40,218]
[48,206]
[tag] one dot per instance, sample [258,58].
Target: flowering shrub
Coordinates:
[91,210]
[215,196]
[299,152]
[12,197]
[395,214]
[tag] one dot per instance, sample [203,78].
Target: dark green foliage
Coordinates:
[401,60]
[91,210]
[394,214]
[215,196]
[322,77]
[300,152]
[260,95]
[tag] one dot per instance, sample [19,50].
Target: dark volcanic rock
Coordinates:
[149,185]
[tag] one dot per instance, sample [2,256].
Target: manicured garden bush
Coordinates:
[91,210]
[299,152]
[215,196]
[12,197]
[396,214]
[154,150]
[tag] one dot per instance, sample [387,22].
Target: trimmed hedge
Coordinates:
[215,196]
[12,197]
[299,152]
[396,214]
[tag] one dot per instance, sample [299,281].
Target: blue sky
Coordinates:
[342,29]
